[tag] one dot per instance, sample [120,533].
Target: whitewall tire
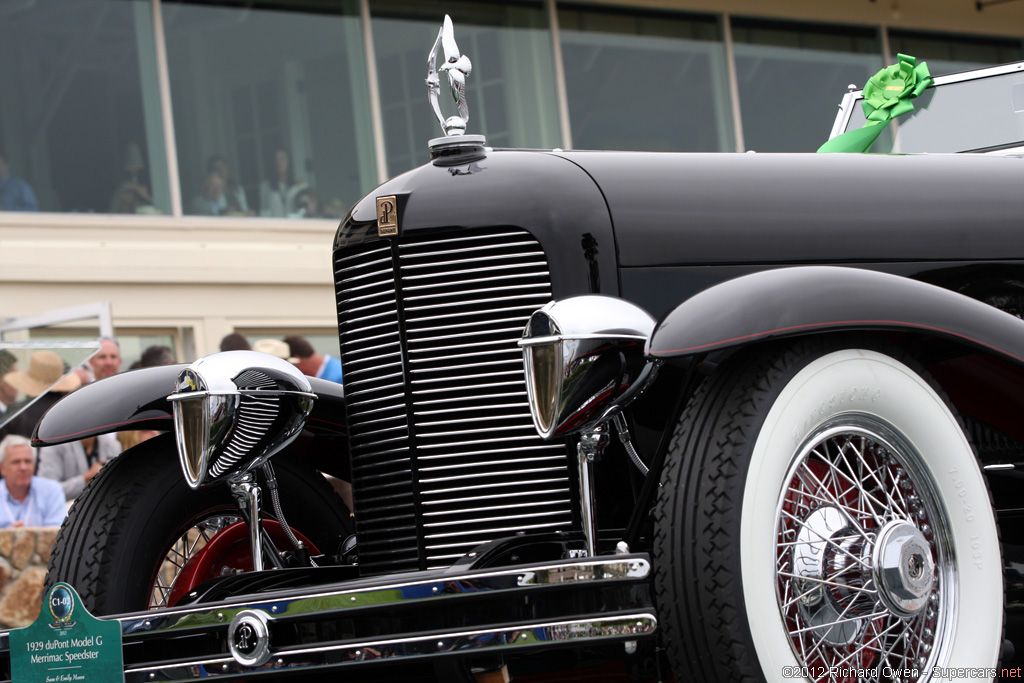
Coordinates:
[831,500]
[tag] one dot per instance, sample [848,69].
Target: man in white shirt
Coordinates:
[74,464]
[26,500]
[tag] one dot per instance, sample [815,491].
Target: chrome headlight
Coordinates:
[584,357]
[234,410]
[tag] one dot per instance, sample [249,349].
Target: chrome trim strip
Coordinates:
[484,290]
[438,423]
[542,492]
[504,485]
[421,318]
[457,411]
[551,447]
[257,393]
[468,511]
[445,368]
[382,592]
[458,444]
[473,281]
[478,475]
[488,463]
[999,467]
[520,241]
[462,239]
[471,387]
[489,520]
[539,296]
[535,341]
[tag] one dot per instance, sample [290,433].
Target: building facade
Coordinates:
[189,161]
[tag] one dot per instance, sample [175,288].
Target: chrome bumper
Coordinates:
[395,618]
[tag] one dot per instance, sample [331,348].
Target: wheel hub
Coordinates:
[829,545]
[904,569]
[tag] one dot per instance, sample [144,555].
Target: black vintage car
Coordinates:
[770,427]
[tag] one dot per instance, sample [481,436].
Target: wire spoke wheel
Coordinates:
[188,546]
[865,579]
[822,517]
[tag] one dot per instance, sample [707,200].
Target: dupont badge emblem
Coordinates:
[387,216]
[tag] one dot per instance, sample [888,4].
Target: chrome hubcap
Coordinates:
[904,569]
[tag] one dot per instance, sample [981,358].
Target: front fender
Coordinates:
[138,400]
[132,400]
[802,300]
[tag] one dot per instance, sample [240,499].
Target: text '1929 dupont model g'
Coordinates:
[606,416]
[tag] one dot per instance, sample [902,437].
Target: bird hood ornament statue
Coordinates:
[457,66]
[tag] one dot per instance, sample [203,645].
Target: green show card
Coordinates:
[66,644]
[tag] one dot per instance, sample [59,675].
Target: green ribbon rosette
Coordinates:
[886,96]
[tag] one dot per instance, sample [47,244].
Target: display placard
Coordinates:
[66,644]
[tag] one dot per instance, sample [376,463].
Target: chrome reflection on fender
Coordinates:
[233,411]
[584,358]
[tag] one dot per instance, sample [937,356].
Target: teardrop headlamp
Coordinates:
[234,410]
[584,357]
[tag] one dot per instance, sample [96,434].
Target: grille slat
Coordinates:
[442,437]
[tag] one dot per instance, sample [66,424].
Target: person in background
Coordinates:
[234,342]
[233,201]
[15,193]
[157,355]
[45,371]
[8,394]
[275,347]
[26,500]
[209,201]
[132,194]
[312,363]
[107,360]
[278,192]
[307,204]
[74,464]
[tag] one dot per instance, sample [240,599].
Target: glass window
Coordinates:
[792,77]
[132,342]
[948,53]
[511,91]
[80,127]
[646,81]
[271,108]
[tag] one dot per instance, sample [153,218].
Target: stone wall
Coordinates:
[24,554]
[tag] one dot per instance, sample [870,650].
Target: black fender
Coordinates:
[787,302]
[138,400]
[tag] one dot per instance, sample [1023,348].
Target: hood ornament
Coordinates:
[457,66]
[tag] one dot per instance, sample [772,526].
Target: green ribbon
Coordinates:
[886,96]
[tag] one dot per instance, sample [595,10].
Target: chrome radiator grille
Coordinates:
[444,454]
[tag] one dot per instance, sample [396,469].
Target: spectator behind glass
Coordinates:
[208,202]
[26,500]
[307,204]
[311,363]
[107,360]
[15,193]
[233,201]
[234,342]
[132,194]
[278,192]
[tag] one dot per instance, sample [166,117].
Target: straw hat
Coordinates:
[44,369]
[275,347]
